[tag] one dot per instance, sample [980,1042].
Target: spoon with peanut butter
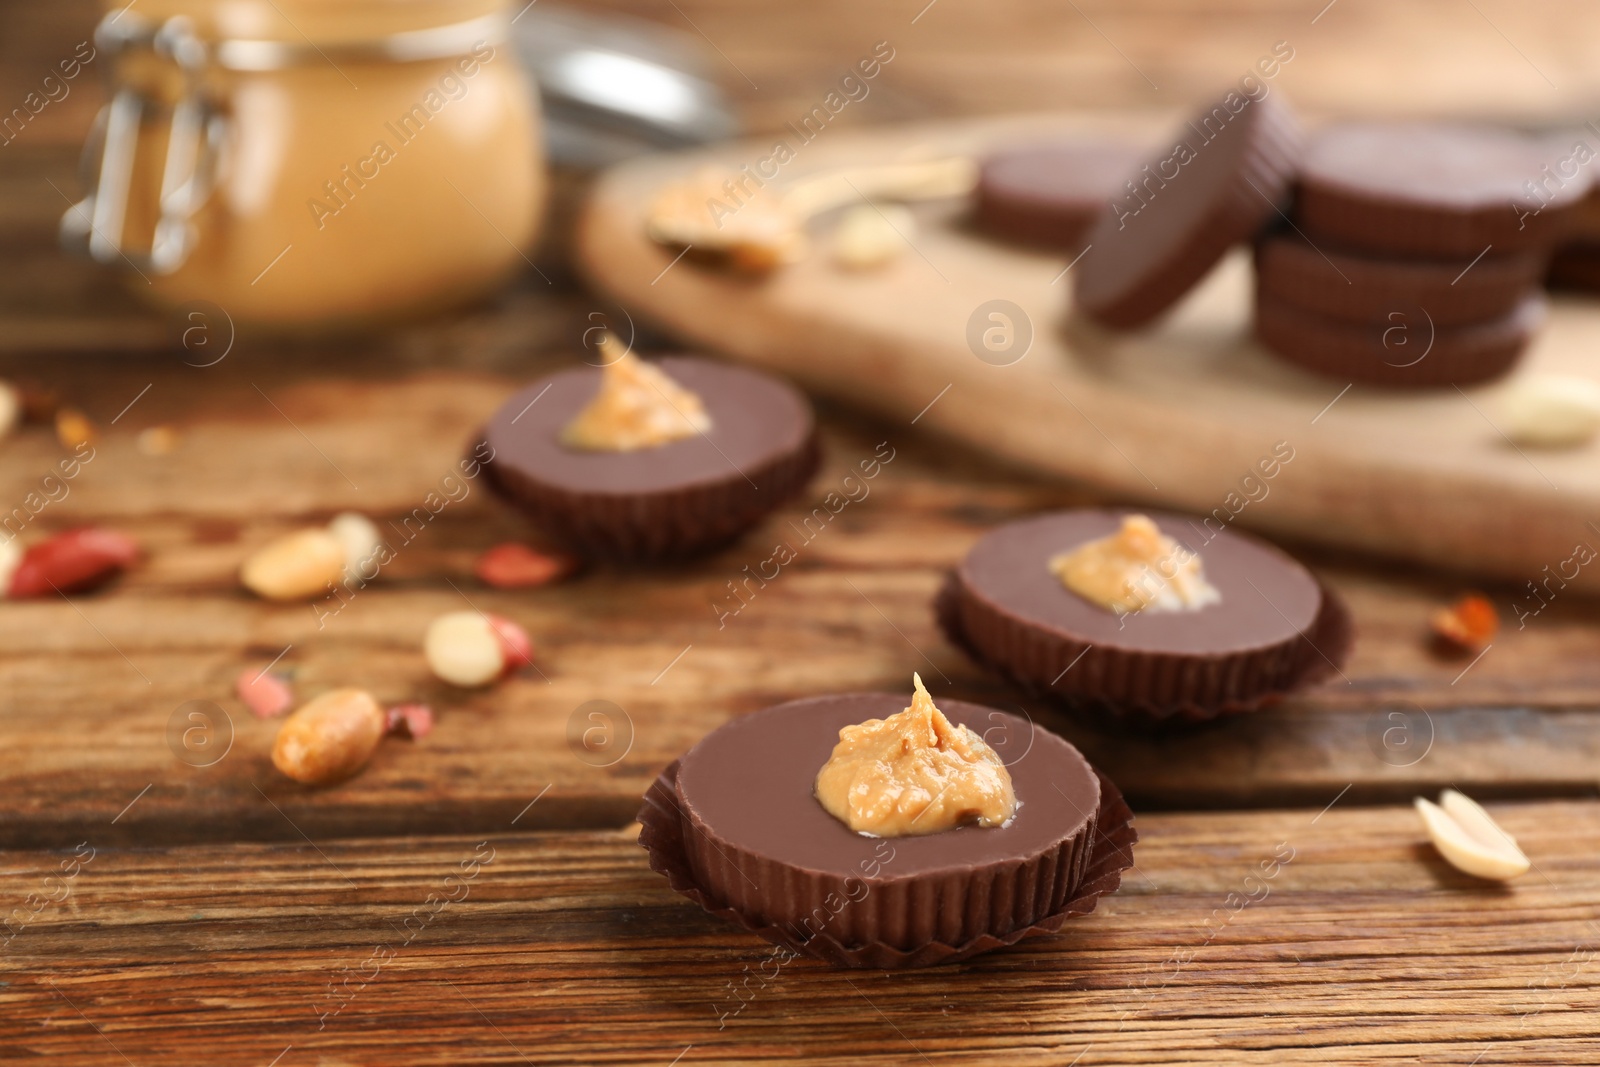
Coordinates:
[735,219]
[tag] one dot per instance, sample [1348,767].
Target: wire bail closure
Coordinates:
[95,225]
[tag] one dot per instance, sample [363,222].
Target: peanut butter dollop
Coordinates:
[755,230]
[915,772]
[637,407]
[1138,568]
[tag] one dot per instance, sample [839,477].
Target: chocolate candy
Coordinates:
[1274,629]
[1575,267]
[681,498]
[736,826]
[1049,194]
[1367,289]
[1408,350]
[1435,191]
[1225,173]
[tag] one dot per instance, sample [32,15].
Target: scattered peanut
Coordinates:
[265,694]
[516,566]
[414,721]
[297,566]
[158,441]
[1469,624]
[762,235]
[1469,839]
[1552,411]
[360,539]
[10,408]
[10,559]
[73,429]
[469,649]
[869,236]
[329,738]
[72,562]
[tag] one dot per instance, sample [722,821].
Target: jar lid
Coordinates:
[258,35]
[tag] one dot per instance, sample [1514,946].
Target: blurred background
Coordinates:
[768,62]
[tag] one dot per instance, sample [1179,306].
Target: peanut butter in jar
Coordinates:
[306,163]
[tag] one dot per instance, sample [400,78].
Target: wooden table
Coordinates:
[222,914]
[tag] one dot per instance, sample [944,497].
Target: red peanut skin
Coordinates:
[516,566]
[515,645]
[414,721]
[72,562]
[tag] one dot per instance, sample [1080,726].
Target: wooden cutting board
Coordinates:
[1181,415]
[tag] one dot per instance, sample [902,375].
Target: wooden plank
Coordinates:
[1185,413]
[1361,948]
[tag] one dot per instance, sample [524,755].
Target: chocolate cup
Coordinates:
[681,499]
[1163,681]
[1431,190]
[1370,289]
[1575,267]
[1111,853]
[1224,175]
[1047,195]
[1361,352]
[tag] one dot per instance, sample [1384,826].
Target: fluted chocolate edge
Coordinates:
[1353,352]
[1142,685]
[1103,850]
[663,525]
[1293,272]
[1266,175]
[1329,212]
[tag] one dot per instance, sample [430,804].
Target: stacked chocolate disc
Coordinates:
[1414,253]
[1048,195]
[1576,263]
[1394,254]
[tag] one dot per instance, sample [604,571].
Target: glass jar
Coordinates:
[312,162]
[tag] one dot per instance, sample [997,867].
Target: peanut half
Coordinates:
[361,540]
[470,650]
[330,738]
[869,236]
[1552,410]
[297,566]
[1469,839]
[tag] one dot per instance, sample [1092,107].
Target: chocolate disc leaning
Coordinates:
[670,501]
[1225,174]
[1410,350]
[1275,627]
[1368,289]
[1438,191]
[759,842]
[1049,194]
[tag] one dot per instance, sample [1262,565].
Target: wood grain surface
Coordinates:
[676,652]
[209,910]
[1361,947]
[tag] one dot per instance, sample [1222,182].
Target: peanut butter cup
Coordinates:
[1364,288]
[1225,173]
[743,825]
[1410,349]
[1159,616]
[1049,194]
[1436,191]
[646,461]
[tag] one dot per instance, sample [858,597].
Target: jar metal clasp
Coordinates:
[95,226]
